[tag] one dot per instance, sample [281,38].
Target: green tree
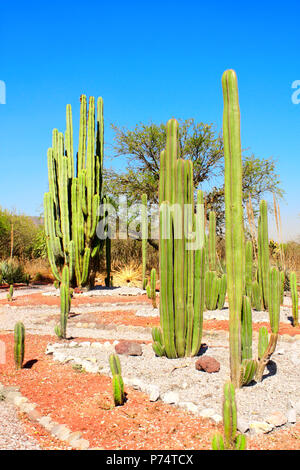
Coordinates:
[200,143]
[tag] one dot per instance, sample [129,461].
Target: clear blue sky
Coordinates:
[149,61]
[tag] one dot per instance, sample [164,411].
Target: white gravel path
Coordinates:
[12,432]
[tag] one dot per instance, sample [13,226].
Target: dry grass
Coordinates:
[128,275]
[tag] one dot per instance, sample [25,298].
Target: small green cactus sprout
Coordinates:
[231,440]
[117,381]
[19,347]
[294,293]
[10,293]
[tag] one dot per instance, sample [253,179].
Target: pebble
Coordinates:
[277,419]
[260,427]
[171,398]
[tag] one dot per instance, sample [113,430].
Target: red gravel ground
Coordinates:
[83,401]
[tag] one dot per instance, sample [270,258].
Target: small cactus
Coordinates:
[19,347]
[231,440]
[117,381]
[10,293]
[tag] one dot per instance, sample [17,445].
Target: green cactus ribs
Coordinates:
[72,203]
[181,255]
[19,344]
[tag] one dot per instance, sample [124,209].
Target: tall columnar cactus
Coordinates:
[234,235]
[65,303]
[144,230]
[294,293]
[75,193]
[231,440]
[212,241]
[263,253]
[19,346]
[181,264]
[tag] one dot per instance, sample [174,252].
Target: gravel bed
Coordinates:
[12,433]
[177,381]
[21,291]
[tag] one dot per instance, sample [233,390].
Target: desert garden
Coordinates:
[182,335]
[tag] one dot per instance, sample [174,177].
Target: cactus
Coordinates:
[231,440]
[212,241]
[65,304]
[274,284]
[248,267]
[234,235]
[115,365]
[19,346]
[294,293]
[263,253]
[153,287]
[256,296]
[117,381]
[144,226]
[211,290]
[72,204]
[222,287]
[118,390]
[263,341]
[10,293]
[181,268]
[282,277]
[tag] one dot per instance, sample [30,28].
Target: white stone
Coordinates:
[171,398]
[96,345]
[189,406]
[292,415]
[217,418]
[85,344]
[19,400]
[207,412]
[73,344]
[153,392]
[260,427]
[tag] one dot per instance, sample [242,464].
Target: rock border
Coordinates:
[59,431]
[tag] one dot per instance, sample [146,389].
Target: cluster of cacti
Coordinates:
[181,255]
[144,230]
[10,293]
[75,193]
[151,287]
[19,344]
[65,303]
[117,381]
[294,294]
[231,439]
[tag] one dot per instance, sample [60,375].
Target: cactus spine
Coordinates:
[234,236]
[231,440]
[294,293]
[181,268]
[144,226]
[19,346]
[75,193]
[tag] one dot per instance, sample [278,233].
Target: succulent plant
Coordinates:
[294,293]
[19,344]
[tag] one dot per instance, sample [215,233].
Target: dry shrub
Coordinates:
[38,269]
[292,257]
[128,275]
